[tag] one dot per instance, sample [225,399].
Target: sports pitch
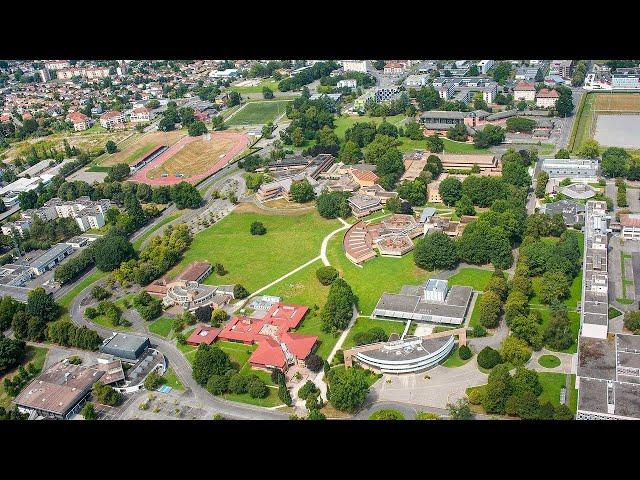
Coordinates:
[140,146]
[193,158]
[258,113]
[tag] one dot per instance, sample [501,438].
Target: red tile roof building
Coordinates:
[80,121]
[546,98]
[524,91]
[277,346]
[203,334]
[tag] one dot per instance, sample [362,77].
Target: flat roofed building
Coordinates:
[125,346]
[488,164]
[572,212]
[415,303]
[59,391]
[354,65]
[578,191]
[363,205]
[196,271]
[574,168]
[275,189]
[406,355]
[52,257]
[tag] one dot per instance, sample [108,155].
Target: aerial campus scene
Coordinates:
[320,239]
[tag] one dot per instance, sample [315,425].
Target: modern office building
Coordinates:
[573,168]
[432,302]
[125,346]
[563,68]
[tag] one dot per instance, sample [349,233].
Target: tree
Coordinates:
[528,329]
[105,395]
[110,251]
[554,287]
[118,172]
[413,131]
[589,149]
[203,313]
[348,389]
[435,144]
[218,316]
[557,333]
[520,124]
[464,352]
[450,190]
[501,72]
[516,174]
[8,308]
[490,309]
[326,275]
[490,135]
[267,93]
[434,166]
[256,388]
[517,304]
[515,351]
[498,284]
[349,153]
[314,362]
[111,147]
[464,206]
[257,228]
[41,304]
[562,153]
[240,292]
[302,192]
[333,205]
[564,104]
[436,251]
[12,353]
[338,309]
[197,128]
[283,393]
[614,162]
[185,195]
[497,390]
[458,132]
[217,384]
[88,411]
[209,360]
[489,358]
[415,192]
[460,410]
[525,380]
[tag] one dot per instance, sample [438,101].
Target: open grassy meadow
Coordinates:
[475,278]
[267,82]
[364,324]
[256,260]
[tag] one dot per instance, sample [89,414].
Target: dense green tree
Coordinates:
[489,358]
[333,205]
[450,190]
[326,275]
[348,389]
[614,162]
[490,309]
[515,351]
[302,192]
[415,192]
[209,360]
[257,228]
[436,251]
[110,251]
[111,146]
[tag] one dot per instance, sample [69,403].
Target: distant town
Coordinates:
[320,240]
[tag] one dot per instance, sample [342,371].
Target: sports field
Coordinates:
[193,158]
[140,145]
[258,113]
[606,105]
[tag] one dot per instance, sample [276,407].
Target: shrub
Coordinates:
[257,389]
[238,383]
[464,352]
[475,396]
[326,275]
[387,414]
[258,228]
[153,381]
[515,351]
[217,384]
[489,358]
[240,292]
[307,390]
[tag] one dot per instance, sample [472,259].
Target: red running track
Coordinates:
[242,141]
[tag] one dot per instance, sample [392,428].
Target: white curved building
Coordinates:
[407,355]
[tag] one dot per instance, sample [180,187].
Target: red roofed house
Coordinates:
[277,347]
[203,334]
[546,98]
[524,91]
[364,178]
[80,121]
[4,118]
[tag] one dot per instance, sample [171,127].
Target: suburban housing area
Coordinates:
[320,239]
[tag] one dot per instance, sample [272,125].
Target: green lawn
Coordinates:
[312,325]
[363,324]
[376,276]
[551,385]
[614,312]
[272,84]
[66,299]
[581,125]
[258,112]
[475,278]
[35,355]
[104,321]
[271,400]
[458,147]
[161,326]
[475,315]
[454,360]
[172,380]
[549,361]
[138,243]
[256,260]
[343,123]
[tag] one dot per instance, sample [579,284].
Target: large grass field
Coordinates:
[138,146]
[35,355]
[376,276]
[258,112]
[475,278]
[255,261]
[363,324]
[343,123]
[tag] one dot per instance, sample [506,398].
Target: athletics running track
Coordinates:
[241,142]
